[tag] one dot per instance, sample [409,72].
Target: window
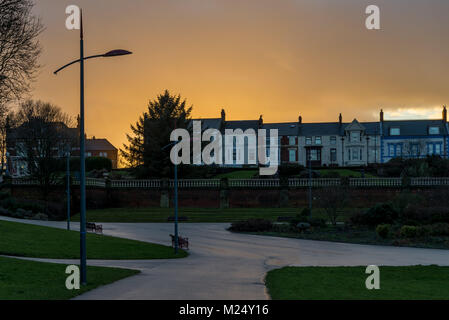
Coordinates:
[395,132]
[104,154]
[391,150]
[355,154]
[308,140]
[434,148]
[395,150]
[292,141]
[318,140]
[333,140]
[292,155]
[333,155]
[398,150]
[438,149]
[355,136]
[315,155]
[88,154]
[414,150]
[434,130]
[430,149]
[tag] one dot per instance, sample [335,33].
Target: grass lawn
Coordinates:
[336,283]
[238,174]
[197,214]
[346,173]
[19,239]
[30,280]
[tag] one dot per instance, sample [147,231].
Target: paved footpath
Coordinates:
[225,265]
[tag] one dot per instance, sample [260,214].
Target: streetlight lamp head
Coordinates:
[115,53]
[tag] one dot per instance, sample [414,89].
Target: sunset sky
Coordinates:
[276,58]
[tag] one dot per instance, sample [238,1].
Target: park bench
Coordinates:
[182,242]
[98,228]
[171,219]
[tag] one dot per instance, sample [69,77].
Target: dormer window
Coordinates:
[395,132]
[434,130]
[355,136]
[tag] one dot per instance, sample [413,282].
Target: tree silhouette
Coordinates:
[19,48]
[152,132]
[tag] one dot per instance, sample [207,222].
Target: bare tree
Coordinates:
[19,48]
[333,200]
[43,136]
[7,121]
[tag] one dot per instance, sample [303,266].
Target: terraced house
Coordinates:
[346,144]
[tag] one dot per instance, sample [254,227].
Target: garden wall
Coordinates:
[98,197]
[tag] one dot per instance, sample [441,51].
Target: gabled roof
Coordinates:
[413,127]
[355,125]
[99,145]
[208,123]
[242,124]
[284,129]
[372,128]
[323,128]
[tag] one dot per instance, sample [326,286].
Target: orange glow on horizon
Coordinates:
[279,59]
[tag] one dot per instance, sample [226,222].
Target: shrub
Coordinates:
[282,228]
[92,163]
[383,230]
[317,222]
[379,214]
[415,215]
[305,213]
[408,232]
[289,170]
[4,195]
[331,174]
[98,163]
[437,229]
[252,225]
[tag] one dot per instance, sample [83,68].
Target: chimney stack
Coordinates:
[300,119]
[223,115]
[340,119]
[381,115]
[444,114]
[260,121]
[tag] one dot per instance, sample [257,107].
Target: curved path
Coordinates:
[224,265]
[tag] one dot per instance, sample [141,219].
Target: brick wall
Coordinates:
[97,198]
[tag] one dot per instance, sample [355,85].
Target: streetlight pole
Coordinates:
[81,60]
[68,190]
[83,253]
[176,210]
[176,198]
[310,182]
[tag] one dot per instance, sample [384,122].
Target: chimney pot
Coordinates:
[444,114]
[223,115]
[300,119]
[381,115]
